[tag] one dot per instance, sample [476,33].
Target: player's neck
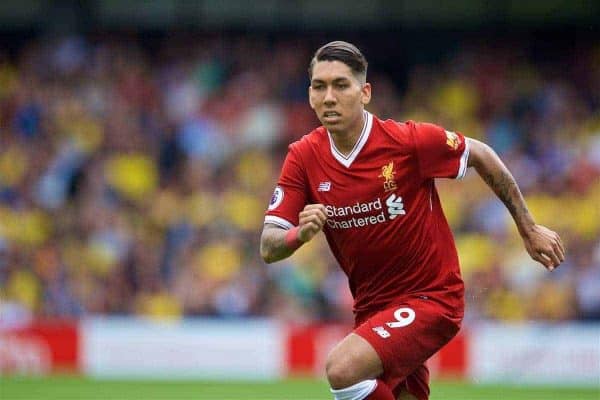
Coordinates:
[345,140]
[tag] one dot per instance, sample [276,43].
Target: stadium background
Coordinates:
[140,142]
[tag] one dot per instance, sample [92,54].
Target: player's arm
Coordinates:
[277,243]
[542,244]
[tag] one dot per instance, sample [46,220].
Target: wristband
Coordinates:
[291,238]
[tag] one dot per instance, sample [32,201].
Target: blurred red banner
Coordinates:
[39,348]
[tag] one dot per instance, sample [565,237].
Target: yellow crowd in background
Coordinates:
[135,183]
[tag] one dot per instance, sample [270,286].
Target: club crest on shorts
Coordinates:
[277,198]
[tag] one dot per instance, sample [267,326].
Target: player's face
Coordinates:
[337,96]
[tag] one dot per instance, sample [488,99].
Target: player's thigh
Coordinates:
[404,395]
[405,336]
[352,360]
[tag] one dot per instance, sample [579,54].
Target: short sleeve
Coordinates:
[441,153]
[289,196]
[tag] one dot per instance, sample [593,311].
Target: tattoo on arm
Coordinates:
[497,176]
[507,190]
[272,244]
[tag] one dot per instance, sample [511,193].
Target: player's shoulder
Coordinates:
[397,126]
[401,132]
[408,129]
[313,139]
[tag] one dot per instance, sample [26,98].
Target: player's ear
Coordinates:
[365,94]
[310,99]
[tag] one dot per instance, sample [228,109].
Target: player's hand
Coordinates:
[312,219]
[545,246]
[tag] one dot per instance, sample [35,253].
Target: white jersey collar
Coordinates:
[346,161]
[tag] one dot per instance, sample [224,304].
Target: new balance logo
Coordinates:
[395,206]
[324,186]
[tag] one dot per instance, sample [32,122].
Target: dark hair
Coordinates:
[345,52]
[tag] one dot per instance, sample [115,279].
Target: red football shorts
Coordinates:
[405,336]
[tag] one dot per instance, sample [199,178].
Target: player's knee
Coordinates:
[342,371]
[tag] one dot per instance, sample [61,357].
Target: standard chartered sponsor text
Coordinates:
[356,212]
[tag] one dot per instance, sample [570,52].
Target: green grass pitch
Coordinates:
[65,387]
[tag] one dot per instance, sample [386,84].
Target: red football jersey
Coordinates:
[385,225]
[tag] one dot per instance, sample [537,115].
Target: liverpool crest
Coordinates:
[387,173]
